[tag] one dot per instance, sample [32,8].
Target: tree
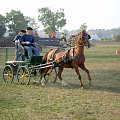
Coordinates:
[116,37]
[32,23]
[15,21]
[51,21]
[83,27]
[2,25]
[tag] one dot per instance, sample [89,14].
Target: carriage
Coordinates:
[45,68]
[25,70]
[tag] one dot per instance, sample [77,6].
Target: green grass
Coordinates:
[57,102]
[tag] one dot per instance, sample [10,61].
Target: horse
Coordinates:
[73,58]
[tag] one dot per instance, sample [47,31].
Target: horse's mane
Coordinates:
[71,40]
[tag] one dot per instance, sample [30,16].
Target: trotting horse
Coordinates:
[74,58]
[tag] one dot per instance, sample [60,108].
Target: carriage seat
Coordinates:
[36,60]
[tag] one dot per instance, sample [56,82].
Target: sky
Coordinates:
[97,14]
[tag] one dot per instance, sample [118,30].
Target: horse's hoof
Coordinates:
[43,84]
[81,87]
[90,86]
[64,83]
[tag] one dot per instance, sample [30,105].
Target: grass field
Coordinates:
[57,102]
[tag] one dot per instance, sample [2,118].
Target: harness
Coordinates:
[66,57]
[73,55]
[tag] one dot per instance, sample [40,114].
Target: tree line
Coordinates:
[14,21]
[109,34]
[113,34]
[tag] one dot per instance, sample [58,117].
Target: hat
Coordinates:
[23,31]
[29,28]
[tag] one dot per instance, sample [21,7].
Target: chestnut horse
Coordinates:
[74,58]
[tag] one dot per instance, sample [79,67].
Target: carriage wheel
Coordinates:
[8,75]
[36,75]
[51,75]
[23,75]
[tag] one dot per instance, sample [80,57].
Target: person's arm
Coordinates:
[15,39]
[33,39]
[34,42]
[23,42]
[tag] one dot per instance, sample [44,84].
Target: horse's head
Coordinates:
[83,39]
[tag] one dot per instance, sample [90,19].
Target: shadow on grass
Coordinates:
[107,88]
[103,56]
[77,86]
[103,80]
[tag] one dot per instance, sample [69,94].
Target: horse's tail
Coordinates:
[45,56]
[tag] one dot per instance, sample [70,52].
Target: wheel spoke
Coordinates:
[51,75]
[23,75]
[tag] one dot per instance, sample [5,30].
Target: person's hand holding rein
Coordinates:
[27,42]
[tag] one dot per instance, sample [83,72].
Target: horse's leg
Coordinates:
[43,74]
[87,71]
[79,76]
[60,70]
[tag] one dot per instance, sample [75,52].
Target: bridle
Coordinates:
[80,45]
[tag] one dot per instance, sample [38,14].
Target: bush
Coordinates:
[116,37]
[7,41]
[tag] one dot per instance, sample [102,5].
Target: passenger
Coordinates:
[63,39]
[18,47]
[27,41]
